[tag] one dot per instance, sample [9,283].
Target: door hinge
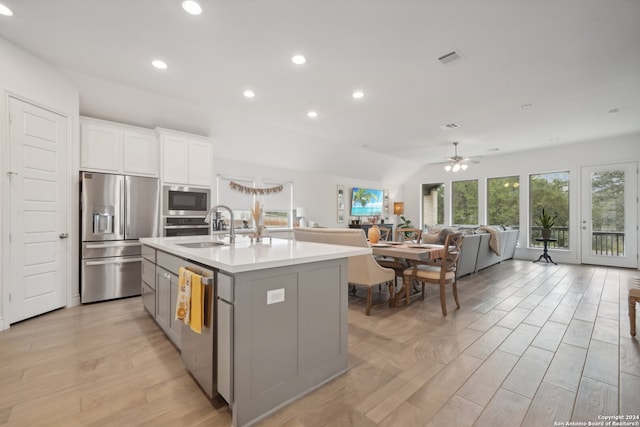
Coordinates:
[9,237]
[9,296]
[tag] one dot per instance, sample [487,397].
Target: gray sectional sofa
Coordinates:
[476,250]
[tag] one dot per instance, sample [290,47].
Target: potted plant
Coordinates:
[404,223]
[546,221]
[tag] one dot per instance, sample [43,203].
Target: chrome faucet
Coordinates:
[209,220]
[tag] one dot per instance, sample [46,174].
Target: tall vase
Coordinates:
[374,234]
[258,220]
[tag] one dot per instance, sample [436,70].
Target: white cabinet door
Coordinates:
[186,159]
[200,163]
[100,148]
[118,148]
[140,153]
[175,157]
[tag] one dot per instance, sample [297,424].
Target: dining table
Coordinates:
[409,251]
[425,252]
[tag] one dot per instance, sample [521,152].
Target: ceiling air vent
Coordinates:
[450,126]
[449,57]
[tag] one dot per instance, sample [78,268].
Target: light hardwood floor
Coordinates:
[532,344]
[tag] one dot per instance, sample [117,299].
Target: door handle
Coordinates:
[124,261]
[63,235]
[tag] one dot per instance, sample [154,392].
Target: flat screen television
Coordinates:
[366,202]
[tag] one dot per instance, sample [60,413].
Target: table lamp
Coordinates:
[302,213]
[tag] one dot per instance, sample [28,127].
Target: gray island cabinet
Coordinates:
[281,317]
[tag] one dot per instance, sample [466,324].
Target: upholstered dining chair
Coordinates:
[409,235]
[441,273]
[363,270]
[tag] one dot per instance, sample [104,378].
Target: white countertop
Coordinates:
[246,256]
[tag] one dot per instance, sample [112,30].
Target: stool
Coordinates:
[634,297]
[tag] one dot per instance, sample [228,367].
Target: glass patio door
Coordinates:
[609,211]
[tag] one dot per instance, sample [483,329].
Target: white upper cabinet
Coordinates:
[186,159]
[118,148]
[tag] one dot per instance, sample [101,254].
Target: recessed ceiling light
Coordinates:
[526,106]
[358,94]
[249,93]
[4,10]
[161,65]
[192,7]
[312,114]
[298,59]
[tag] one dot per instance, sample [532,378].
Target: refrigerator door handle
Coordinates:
[91,263]
[112,245]
[123,196]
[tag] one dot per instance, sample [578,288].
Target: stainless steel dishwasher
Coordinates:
[198,351]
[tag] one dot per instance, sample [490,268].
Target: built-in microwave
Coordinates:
[185,201]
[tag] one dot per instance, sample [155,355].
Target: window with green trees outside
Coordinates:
[503,201]
[551,192]
[464,196]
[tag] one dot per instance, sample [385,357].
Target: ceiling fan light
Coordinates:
[456,167]
[464,167]
[447,168]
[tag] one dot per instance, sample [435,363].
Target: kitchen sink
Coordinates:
[201,244]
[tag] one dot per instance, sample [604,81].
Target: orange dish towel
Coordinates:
[197,304]
[183,302]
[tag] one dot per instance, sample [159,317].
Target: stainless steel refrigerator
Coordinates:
[115,211]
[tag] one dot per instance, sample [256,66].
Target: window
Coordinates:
[503,201]
[278,206]
[464,196]
[433,203]
[551,192]
[239,202]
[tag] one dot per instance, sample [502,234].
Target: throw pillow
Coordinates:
[431,238]
[444,233]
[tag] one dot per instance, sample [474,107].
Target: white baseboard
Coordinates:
[75,300]
[2,325]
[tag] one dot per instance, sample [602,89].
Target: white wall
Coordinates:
[25,76]
[314,191]
[570,157]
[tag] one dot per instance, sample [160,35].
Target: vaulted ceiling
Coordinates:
[529,73]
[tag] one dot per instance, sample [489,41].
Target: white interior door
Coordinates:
[609,211]
[38,210]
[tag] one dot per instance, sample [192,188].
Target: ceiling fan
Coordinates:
[456,162]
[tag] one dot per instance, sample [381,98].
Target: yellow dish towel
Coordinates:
[183,302]
[197,303]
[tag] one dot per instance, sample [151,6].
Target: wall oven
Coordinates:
[185,201]
[184,209]
[185,226]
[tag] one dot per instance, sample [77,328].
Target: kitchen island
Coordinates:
[280,323]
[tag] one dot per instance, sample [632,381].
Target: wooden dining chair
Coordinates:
[385,233]
[409,235]
[441,273]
